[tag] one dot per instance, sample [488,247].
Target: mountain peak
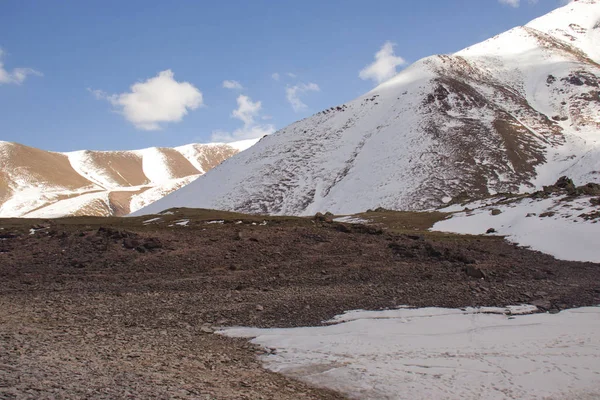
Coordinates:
[577,23]
[509,114]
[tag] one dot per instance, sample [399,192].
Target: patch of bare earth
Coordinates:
[114,308]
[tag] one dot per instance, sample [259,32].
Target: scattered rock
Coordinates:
[130,243]
[259,308]
[496,211]
[590,216]
[368,229]
[491,230]
[378,210]
[39,226]
[323,217]
[152,243]
[414,237]
[342,228]
[565,182]
[459,256]
[77,264]
[402,251]
[432,251]
[206,329]
[544,305]
[589,189]
[474,272]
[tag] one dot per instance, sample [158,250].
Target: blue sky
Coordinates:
[67,67]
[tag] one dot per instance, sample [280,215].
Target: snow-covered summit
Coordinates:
[509,114]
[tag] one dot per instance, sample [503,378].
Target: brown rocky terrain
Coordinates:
[116,308]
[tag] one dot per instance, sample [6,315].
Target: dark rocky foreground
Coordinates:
[93,308]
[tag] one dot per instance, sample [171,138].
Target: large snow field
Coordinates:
[435,353]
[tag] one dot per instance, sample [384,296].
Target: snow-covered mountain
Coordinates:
[509,114]
[37,183]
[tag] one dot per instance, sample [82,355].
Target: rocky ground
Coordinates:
[117,308]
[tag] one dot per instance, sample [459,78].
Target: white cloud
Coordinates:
[292,75]
[275,76]
[227,84]
[384,66]
[98,94]
[292,93]
[17,75]
[158,100]
[246,112]
[251,132]
[517,3]
[247,109]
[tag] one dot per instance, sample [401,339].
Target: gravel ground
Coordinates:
[93,309]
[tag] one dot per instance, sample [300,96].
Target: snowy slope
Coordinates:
[435,353]
[558,225]
[509,114]
[40,184]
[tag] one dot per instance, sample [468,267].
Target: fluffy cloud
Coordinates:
[247,109]
[517,3]
[384,66]
[276,76]
[158,100]
[292,93]
[247,112]
[17,75]
[232,85]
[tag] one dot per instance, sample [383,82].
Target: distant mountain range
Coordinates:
[510,114]
[38,183]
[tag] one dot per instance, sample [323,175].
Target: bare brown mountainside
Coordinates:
[39,183]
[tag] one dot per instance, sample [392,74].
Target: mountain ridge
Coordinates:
[509,114]
[38,183]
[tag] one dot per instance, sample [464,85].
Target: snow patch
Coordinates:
[553,226]
[435,353]
[349,219]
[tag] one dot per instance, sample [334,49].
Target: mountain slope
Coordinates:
[37,183]
[509,114]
